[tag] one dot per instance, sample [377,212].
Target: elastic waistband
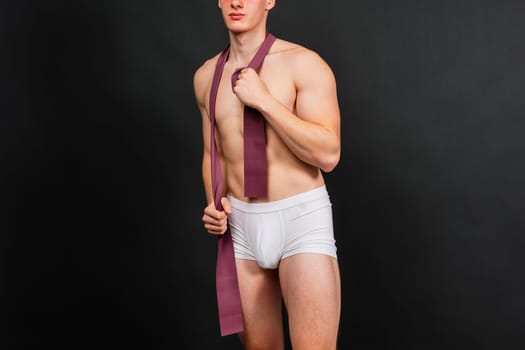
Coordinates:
[280,204]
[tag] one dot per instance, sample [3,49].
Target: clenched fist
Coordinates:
[215,221]
[250,88]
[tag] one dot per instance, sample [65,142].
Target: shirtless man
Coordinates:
[284,246]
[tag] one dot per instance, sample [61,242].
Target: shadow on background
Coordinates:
[101,150]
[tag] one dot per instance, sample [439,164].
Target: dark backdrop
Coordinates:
[100,169]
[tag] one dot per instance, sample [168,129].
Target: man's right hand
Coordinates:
[216,222]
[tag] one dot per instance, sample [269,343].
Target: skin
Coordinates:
[295,91]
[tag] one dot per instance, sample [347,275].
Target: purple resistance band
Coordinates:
[255,185]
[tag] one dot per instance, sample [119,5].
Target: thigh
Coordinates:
[261,306]
[311,286]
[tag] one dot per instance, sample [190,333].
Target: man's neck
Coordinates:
[244,45]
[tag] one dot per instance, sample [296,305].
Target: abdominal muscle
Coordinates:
[287,175]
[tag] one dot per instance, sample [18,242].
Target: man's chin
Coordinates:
[235,28]
[238,31]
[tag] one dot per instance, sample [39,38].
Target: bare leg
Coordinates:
[261,307]
[311,289]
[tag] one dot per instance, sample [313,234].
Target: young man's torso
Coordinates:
[287,175]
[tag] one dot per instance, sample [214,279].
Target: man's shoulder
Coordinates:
[206,69]
[293,53]
[202,77]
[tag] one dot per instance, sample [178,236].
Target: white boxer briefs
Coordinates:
[269,232]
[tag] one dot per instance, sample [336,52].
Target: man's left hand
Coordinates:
[250,88]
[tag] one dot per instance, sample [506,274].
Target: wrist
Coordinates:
[267,104]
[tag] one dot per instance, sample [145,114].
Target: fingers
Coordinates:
[226,205]
[244,74]
[213,214]
[250,88]
[215,221]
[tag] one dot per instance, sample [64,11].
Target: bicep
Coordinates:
[200,86]
[317,94]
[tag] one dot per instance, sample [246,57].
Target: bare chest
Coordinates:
[229,110]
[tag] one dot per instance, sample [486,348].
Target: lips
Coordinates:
[236,16]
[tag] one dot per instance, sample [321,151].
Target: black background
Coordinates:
[100,169]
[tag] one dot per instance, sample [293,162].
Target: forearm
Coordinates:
[215,221]
[206,178]
[313,143]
